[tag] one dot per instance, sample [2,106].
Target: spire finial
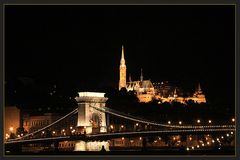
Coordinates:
[141,77]
[199,90]
[175,93]
[130,79]
[122,62]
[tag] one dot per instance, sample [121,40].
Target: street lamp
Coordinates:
[169,122]
[233,119]
[209,121]
[180,122]
[198,121]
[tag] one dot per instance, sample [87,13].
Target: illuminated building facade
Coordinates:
[11,121]
[146,91]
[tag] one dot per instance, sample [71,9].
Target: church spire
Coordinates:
[141,77]
[122,71]
[122,62]
[199,90]
[175,93]
[130,79]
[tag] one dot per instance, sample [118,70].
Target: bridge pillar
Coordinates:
[90,119]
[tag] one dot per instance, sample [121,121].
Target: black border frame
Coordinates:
[116,2]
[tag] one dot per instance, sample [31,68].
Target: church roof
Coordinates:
[140,84]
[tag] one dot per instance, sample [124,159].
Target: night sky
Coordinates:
[80,46]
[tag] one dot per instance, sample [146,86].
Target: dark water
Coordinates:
[137,151]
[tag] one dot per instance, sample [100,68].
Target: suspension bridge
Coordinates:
[91,125]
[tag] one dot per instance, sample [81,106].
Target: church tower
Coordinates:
[122,71]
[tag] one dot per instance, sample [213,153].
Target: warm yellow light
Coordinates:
[122,138]
[169,122]
[140,138]
[122,126]
[192,147]
[209,121]
[111,126]
[222,137]
[136,124]
[43,132]
[203,144]
[63,130]
[71,127]
[213,141]
[208,143]
[190,138]
[227,135]
[180,122]
[233,120]
[197,146]
[53,132]
[198,121]
[231,132]
[11,129]
[187,149]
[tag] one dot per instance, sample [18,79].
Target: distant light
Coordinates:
[231,132]
[122,126]
[197,146]
[180,122]
[227,135]
[169,122]
[21,134]
[198,121]
[122,138]
[208,143]
[222,137]
[213,141]
[111,126]
[192,147]
[43,132]
[71,127]
[140,138]
[209,121]
[53,132]
[136,124]
[217,139]
[63,130]
[11,129]
[219,148]
[155,141]
[187,149]
[203,144]
[159,138]
[233,120]
[190,138]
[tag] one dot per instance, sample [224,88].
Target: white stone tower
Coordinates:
[122,71]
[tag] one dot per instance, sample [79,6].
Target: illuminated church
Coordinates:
[146,91]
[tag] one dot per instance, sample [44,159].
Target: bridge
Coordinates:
[91,126]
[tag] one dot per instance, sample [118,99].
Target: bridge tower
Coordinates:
[92,120]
